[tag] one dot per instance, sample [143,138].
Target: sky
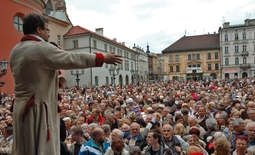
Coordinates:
[158,23]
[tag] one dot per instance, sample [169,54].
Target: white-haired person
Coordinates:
[117,144]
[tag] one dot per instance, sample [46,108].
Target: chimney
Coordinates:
[114,39]
[226,25]
[123,43]
[100,31]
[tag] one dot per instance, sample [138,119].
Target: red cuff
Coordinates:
[99,59]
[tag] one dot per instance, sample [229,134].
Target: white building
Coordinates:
[237,44]
[79,39]
[141,71]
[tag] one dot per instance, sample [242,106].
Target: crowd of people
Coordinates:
[163,118]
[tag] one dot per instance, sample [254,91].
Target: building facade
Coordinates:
[141,71]
[193,57]
[12,22]
[237,44]
[11,30]
[79,39]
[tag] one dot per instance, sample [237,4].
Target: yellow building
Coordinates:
[193,57]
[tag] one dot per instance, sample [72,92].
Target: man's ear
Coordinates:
[39,30]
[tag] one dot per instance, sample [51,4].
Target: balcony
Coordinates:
[193,70]
[245,54]
[245,66]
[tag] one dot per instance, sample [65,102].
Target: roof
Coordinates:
[61,15]
[195,43]
[78,30]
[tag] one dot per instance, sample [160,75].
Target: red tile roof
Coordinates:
[76,30]
[194,43]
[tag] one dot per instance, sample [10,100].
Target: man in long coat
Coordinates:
[34,63]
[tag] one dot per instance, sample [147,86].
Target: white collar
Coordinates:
[38,37]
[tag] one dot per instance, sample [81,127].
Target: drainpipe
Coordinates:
[90,51]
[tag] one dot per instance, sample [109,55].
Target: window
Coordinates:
[244,60]
[226,49]
[198,56]
[177,68]
[18,23]
[75,44]
[236,49]
[126,65]
[236,36]
[95,44]
[177,58]
[96,80]
[244,35]
[209,67]
[119,52]
[216,55]
[226,61]
[244,48]
[105,47]
[236,61]
[226,37]
[113,49]
[198,65]
[216,66]
[236,75]
[107,80]
[170,58]
[171,69]
[193,56]
[209,56]
[189,56]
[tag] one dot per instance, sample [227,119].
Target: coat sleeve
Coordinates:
[55,58]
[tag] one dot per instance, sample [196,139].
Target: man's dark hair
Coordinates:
[31,22]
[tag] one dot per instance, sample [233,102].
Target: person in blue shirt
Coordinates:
[96,145]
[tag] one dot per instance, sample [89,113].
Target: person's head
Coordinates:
[107,129]
[201,111]
[117,145]
[241,143]
[98,135]
[251,114]
[193,139]
[250,129]
[76,133]
[222,146]
[36,24]
[135,129]
[194,150]
[153,138]
[117,134]
[211,124]
[192,121]
[167,130]
[135,150]
[179,129]
[238,125]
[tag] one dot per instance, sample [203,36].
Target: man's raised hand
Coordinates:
[111,58]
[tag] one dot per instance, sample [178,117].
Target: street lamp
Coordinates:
[114,70]
[77,74]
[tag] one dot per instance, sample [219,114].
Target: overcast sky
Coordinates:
[158,22]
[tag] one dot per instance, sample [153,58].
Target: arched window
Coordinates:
[237,61]
[18,22]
